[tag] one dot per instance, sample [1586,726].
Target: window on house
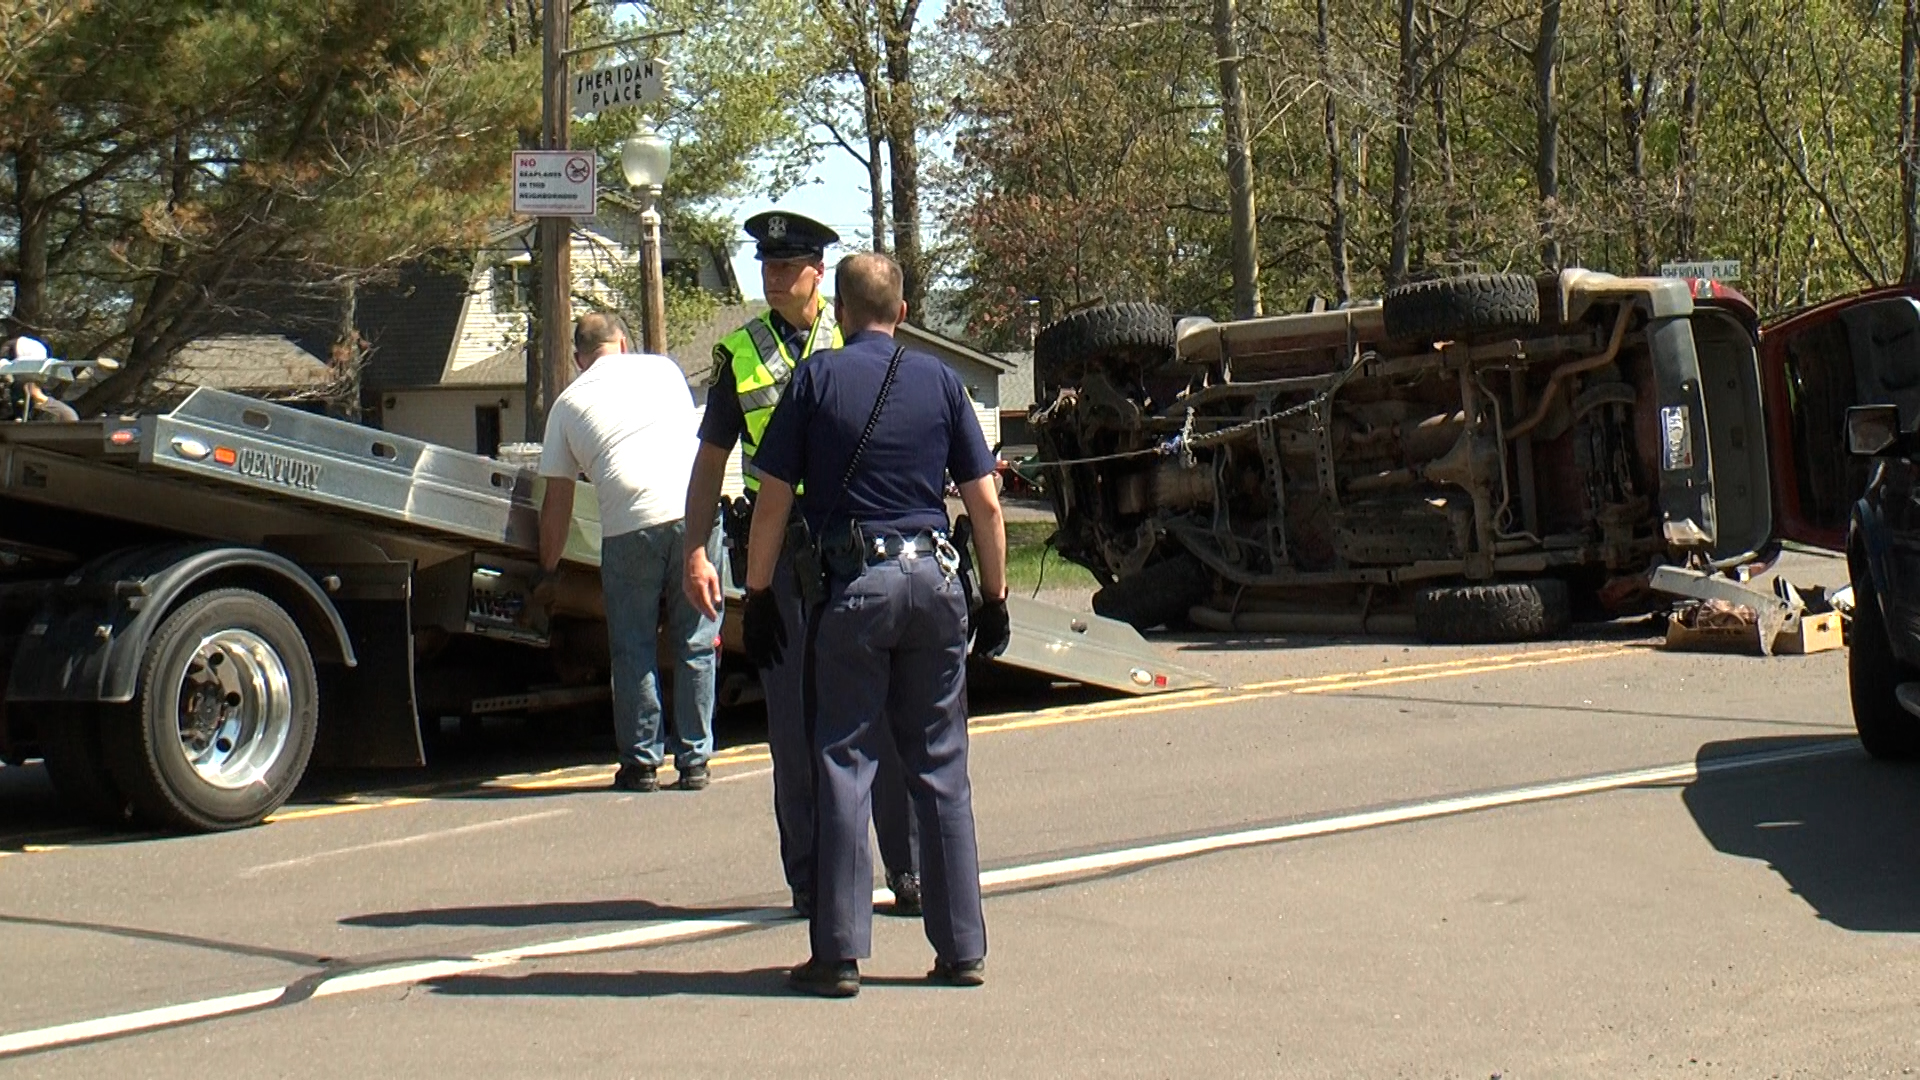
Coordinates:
[513,286]
[486,430]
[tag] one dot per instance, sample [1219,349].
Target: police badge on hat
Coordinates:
[783,235]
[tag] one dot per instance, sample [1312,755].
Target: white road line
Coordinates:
[1057,869]
[403,841]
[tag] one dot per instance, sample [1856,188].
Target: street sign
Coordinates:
[1715,269]
[619,87]
[554,183]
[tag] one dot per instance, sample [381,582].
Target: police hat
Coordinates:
[781,235]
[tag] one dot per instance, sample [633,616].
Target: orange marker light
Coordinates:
[124,436]
[224,456]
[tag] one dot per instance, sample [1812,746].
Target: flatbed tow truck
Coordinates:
[195,605]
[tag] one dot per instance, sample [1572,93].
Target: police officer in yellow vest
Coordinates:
[751,367]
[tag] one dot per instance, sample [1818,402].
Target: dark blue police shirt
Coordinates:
[927,431]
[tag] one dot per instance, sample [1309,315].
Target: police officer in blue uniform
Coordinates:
[870,433]
[767,350]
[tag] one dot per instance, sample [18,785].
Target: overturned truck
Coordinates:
[1470,459]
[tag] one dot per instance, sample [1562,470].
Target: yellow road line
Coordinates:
[1179,701]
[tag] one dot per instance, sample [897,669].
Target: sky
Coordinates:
[834,194]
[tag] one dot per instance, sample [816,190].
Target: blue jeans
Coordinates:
[637,571]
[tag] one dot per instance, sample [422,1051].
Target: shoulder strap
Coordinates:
[873,419]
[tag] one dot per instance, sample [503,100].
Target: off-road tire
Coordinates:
[1888,731]
[1493,614]
[143,742]
[1471,304]
[1130,339]
[1159,595]
[76,762]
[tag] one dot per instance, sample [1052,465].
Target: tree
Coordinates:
[163,157]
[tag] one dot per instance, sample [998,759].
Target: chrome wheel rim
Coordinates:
[235,707]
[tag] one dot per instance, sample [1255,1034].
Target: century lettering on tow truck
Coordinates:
[278,469]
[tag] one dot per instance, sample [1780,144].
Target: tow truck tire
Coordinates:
[220,730]
[1461,305]
[1123,338]
[1160,594]
[1493,614]
[1887,731]
[77,762]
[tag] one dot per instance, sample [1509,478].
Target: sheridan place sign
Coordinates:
[619,87]
[554,183]
[1712,269]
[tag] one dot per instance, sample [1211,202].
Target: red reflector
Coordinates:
[224,456]
[1159,680]
[123,437]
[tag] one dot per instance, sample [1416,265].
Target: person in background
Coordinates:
[628,423]
[26,400]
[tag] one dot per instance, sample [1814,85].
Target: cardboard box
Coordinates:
[1801,636]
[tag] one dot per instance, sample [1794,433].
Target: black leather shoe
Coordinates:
[642,778]
[834,979]
[959,973]
[692,778]
[906,893]
[803,903]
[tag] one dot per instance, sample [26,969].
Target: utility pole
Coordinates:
[556,263]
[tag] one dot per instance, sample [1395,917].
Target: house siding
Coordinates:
[445,417]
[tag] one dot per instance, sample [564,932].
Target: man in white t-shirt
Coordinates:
[629,424]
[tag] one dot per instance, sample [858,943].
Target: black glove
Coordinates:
[763,635]
[991,629]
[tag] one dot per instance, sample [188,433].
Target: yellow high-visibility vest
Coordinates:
[762,366]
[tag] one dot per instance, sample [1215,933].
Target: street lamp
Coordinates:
[644,160]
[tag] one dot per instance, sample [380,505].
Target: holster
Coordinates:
[843,551]
[736,522]
[809,569]
[962,540]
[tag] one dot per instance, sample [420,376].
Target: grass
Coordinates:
[1026,543]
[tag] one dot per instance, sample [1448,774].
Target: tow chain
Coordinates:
[1183,444]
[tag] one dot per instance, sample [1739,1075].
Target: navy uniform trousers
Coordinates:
[889,655]
[793,765]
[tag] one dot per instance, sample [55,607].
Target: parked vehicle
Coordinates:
[1471,458]
[195,605]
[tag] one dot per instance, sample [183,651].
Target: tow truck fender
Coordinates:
[86,641]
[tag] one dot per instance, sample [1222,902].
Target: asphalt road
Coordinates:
[1359,858]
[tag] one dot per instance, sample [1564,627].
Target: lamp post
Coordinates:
[644,160]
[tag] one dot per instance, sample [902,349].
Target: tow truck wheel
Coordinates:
[223,723]
[1874,675]
[76,762]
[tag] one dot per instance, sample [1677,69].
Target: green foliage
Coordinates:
[162,156]
[1091,162]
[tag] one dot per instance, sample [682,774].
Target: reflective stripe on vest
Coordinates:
[762,368]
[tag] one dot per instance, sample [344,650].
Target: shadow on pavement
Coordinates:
[753,982]
[552,914]
[1841,831]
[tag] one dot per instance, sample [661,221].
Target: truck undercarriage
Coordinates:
[1460,457]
